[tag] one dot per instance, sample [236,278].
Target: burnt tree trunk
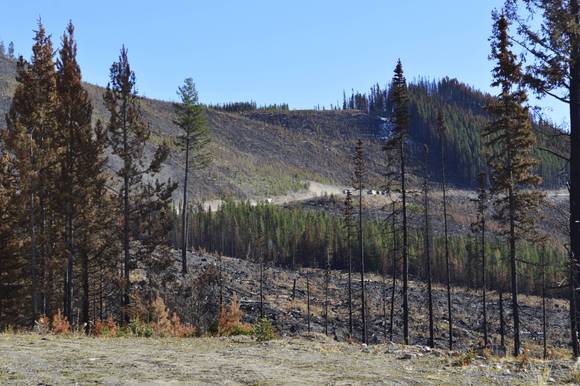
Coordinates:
[428,244]
[184,211]
[445,229]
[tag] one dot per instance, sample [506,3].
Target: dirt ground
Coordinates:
[27,359]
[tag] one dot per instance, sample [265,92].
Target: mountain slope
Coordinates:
[260,153]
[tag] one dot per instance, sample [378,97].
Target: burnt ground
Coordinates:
[289,314]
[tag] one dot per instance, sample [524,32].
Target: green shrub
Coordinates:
[263,330]
[242,329]
[140,328]
[148,331]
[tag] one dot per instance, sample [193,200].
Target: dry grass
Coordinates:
[315,359]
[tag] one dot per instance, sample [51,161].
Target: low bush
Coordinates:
[141,329]
[107,327]
[242,329]
[263,329]
[60,324]
[180,330]
[230,320]
[42,325]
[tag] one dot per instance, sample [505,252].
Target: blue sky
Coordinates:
[300,52]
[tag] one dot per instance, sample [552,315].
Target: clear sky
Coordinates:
[302,52]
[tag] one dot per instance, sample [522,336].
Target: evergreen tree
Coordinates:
[74,136]
[13,230]
[191,119]
[84,203]
[30,138]
[550,34]
[510,141]
[128,135]
[10,51]
[400,120]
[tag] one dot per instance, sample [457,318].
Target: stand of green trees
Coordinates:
[299,238]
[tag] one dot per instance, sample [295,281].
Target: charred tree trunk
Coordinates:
[261,285]
[308,301]
[348,225]
[326,285]
[85,302]
[574,163]
[445,229]
[501,320]
[514,274]
[428,244]
[384,300]
[405,247]
[362,264]
[221,281]
[573,314]
[184,211]
[544,329]
[68,296]
[394,268]
[349,243]
[126,253]
[33,260]
[482,206]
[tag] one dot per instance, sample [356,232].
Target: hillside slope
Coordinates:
[259,154]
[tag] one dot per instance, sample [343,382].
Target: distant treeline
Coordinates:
[240,107]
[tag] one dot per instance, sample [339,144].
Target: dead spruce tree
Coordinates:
[501,319]
[400,120]
[395,253]
[544,327]
[84,204]
[259,257]
[30,138]
[358,184]
[308,299]
[510,141]
[326,289]
[139,200]
[193,142]
[14,264]
[427,247]
[348,224]
[441,127]
[478,227]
